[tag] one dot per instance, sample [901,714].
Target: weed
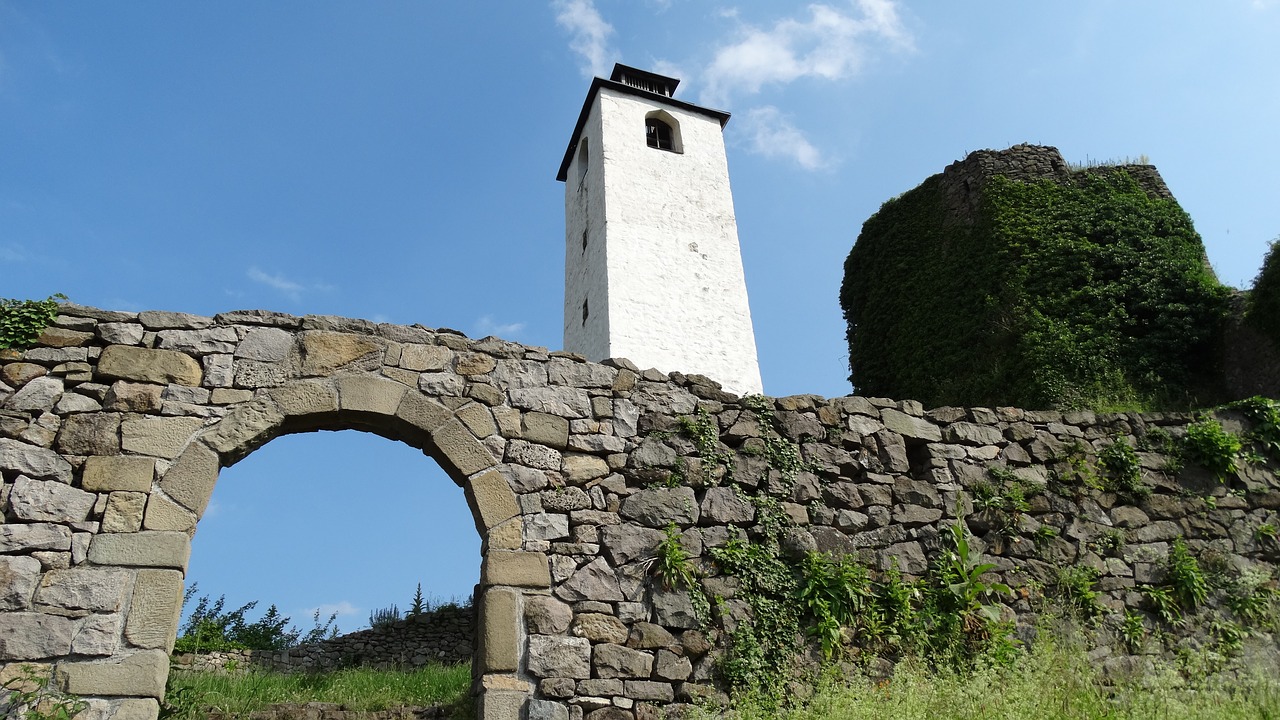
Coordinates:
[384,617]
[1133,631]
[671,563]
[1184,577]
[30,695]
[1109,542]
[1075,587]
[1043,535]
[1209,445]
[1265,533]
[1163,603]
[1264,414]
[1123,470]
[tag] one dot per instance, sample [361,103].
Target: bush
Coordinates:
[1263,310]
[1080,292]
[210,627]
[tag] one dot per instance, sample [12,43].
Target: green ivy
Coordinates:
[1263,308]
[1209,445]
[22,321]
[1088,293]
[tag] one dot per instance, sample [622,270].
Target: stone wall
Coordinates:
[113,429]
[444,635]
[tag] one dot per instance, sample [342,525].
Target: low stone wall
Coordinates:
[113,430]
[444,635]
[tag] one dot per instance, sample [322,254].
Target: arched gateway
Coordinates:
[140,412]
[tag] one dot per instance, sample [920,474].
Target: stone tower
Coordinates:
[653,272]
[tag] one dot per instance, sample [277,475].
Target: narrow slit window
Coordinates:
[584,241]
[585,312]
[657,134]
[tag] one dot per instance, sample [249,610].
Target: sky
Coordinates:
[396,161]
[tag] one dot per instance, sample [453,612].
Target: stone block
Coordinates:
[20,373]
[136,709]
[369,394]
[124,512]
[120,333]
[518,569]
[907,426]
[491,500]
[118,473]
[422,413]
[97,635]
[199,342]
[460,451]
[598,627]
[38,395]
[321,353]
[138,674]
[35,636]
[545,615]
[657,507]
[554,656]
[149,548]
[478,420]
[122,362]
[474,364]
[307,397]
[90,434]
[499,630]
[266,344]
[578,469]
[167,320]
[229,396]
[246,427]
[191,479]
[155,609]
[547,710]
[566,402]
[502,705]
[127,396]
[27,537]
[162,437]
[165,514]
[18,578]
[594,581]
[36,462]
[616,661]
[422,358]
[83,589]
[49,501]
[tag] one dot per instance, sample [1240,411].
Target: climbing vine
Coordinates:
[1080,293]
[22,321]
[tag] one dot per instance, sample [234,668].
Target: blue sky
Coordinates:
[396,161]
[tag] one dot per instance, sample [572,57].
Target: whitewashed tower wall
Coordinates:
[661,270]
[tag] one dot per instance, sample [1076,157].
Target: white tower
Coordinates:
[653,272]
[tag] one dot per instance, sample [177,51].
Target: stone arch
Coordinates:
[372,403]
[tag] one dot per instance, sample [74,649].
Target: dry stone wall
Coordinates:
[113,429]
[444,635]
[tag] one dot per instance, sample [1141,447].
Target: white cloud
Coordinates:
[289,288]
[831,44]
[589,33]
[487,326]
[11,253]
[342,609]
[772,135]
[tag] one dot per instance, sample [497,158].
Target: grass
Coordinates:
[1048,683]
[361,689]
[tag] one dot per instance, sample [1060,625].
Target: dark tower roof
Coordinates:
[632,81]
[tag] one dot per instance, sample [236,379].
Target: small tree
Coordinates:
[419,606]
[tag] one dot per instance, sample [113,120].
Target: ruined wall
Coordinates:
[112,432]
[444,635]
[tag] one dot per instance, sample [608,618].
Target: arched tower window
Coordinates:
[661,131]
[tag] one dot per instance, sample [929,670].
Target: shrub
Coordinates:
[210,627]
[22,321]
[1212,447]
[1263,310]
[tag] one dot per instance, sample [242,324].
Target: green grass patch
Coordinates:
[360,689]
[1047,683]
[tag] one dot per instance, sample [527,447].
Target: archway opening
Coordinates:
[347,525]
